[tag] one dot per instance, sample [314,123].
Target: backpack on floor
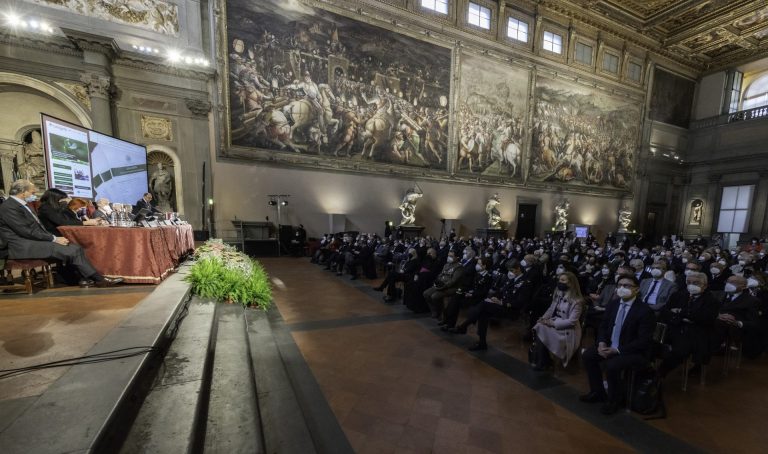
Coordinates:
[647,397]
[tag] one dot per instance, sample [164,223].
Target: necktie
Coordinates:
[617,325]
[650,292]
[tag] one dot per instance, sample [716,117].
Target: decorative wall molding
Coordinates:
[156,128]
[79,91]
[199,107]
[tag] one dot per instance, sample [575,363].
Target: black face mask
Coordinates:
[562,287]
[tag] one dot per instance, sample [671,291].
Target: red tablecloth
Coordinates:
[139,255]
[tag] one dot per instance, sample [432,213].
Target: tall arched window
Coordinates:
[756,95]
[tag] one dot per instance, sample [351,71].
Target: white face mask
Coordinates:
[510,275]
[523,263]
[742,262]
[752,283]
[605,271]
[685,260]
[714,271]
[450,260]
[722,262]
[655,272]
[730,288]
[106,209]
[478,267]
[560,270]
[694,289]
[623,292]
[689,272]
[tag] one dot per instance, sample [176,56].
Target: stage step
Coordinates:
[170,412]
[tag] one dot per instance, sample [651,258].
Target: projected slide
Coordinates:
[66,148]
[119,169]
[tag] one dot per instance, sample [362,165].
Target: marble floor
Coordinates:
[53,325]
[397,384]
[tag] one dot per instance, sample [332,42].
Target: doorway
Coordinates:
[526,220]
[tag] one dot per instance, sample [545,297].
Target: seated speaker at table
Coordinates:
[145,203]
[58,209]
[27,238]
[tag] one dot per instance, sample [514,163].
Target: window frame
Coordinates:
[544,42]
[592,54]
[480,6]
[435,10]
[510,13]
[633,61]
[733,210]
[519,21]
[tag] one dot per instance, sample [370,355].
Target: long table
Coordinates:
[137,254]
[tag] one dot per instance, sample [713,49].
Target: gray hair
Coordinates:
[698,277]
[19,186]
[102,201]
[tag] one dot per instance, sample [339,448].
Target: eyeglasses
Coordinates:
[629,286]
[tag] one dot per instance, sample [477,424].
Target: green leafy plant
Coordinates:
[223,273]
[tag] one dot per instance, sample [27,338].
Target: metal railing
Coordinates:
[742,115]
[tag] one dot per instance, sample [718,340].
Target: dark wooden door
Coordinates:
[526,220]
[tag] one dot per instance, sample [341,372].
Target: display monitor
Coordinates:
[119,169]
[67,158]
[581,231]
[85,163]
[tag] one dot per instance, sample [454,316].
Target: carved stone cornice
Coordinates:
[54,45]
[198,107]
[154,66]
[93,43]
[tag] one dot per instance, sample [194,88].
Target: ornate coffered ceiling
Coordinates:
[708,34]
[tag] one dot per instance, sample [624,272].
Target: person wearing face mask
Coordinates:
[446,284]
[404,272]
[514,291]
[738,319]
[558,331]
[718,276]
[103,210]
[688,269]
[690,318]
[27,238]
[624,341]
[656,291]
[483,279]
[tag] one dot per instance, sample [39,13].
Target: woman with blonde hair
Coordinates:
[558,331]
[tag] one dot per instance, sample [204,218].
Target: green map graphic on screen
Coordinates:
[69,149]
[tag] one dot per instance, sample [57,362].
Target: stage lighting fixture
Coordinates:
[272,203]
[284,203]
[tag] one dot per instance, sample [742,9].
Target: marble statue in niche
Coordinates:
[33,165]
[697,210]
[162,181]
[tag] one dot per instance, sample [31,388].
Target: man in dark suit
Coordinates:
[624,340]
[28,239]
[738,318]
[690,318]
[655,291]
[145,203]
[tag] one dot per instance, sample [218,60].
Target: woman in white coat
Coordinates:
[558,331]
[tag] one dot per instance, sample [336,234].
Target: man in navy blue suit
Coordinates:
[624,341]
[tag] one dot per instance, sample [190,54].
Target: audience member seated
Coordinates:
[558,331]
[469,296]
[446,284]
[413,293]
[513,288]
[361,256]
[738,319]
[103,210]
[404,272]
[718,275]
[53,214]
[624,341]
[655,291]
[690,317]
[27,238]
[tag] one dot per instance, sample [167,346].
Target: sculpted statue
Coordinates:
[491,209]
[161,187]
[408,205]
[561,215]
[33,167]
[697,207]
[625,218]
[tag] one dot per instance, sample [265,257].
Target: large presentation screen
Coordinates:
[119,169]
[88,164]
[66,149]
